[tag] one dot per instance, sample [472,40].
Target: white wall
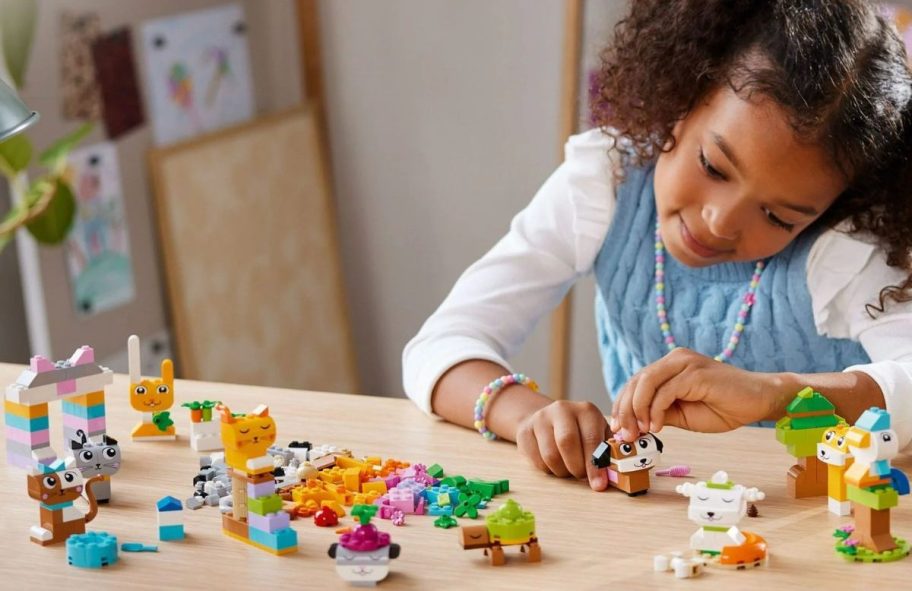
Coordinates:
[443,121]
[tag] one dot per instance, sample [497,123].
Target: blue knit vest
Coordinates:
[703,303]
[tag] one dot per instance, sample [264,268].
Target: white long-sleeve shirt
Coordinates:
[554,241]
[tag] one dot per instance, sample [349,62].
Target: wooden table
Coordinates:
[589,540]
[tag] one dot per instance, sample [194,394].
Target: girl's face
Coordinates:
[738,185]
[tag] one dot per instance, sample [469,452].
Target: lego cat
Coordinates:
[150,396]
[56,487]
[97,459]
[247,439]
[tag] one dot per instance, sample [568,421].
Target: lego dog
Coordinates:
[629,464]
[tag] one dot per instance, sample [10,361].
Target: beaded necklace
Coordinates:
[746,303]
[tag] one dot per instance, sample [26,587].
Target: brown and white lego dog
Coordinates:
[629,464]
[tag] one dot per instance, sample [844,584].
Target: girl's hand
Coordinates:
[694,392]
[561,437]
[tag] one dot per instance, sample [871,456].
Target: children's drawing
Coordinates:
[198,72]
[98,250]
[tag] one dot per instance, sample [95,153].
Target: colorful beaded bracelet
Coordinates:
[488,393]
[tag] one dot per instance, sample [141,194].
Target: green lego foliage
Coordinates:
[808,400]
[877,498]
[510,523]
[162,420]
[830,420]
[445,522]
[435,471]
[850,550]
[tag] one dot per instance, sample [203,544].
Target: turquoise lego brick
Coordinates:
[85,412]
[30,425]
[265,505]
[279,540]
[170,533]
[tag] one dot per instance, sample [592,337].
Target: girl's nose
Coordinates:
[723,220]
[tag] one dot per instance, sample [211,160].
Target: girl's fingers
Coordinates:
[570,445]
[593,429]
[525,440]
[547,448]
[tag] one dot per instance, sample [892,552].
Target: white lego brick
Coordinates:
[170,518]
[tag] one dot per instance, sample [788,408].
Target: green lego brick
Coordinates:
[808,400]
[878,499]
[511,523]
[454,481]
[265,505]
[503,486]
[800,442]
[435,471]
[814,422]
[486,490]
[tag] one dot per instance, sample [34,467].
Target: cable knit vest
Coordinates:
[703,302]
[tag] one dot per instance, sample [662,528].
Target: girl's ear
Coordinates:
[167,371]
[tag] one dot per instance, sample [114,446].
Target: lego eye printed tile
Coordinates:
[198,72]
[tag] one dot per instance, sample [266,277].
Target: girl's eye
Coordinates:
[778,222]
[710,170]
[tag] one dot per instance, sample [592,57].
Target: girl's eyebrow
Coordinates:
[730,154]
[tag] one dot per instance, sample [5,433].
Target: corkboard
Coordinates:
[251,256]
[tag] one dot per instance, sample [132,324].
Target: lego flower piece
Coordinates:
[364,538]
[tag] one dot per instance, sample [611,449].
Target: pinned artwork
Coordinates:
[115,70]
[98,249]
[198,71]
[79,92]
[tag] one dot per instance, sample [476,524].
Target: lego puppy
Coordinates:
[629,464]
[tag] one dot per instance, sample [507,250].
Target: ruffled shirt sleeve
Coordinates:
[846,272]
[496,303]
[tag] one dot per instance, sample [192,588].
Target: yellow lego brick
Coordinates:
[346,462]
[25,411]
[373,460]
[374,485]
[332,475]
[351,478]
[90,399]
[836,486]
[365,498]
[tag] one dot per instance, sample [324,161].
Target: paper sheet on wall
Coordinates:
[79,95]
[98,249]
[902,18]
[198,72]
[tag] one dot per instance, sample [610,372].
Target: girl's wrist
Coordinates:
[510,407]
[779,390]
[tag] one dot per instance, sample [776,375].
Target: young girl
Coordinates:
[746,209]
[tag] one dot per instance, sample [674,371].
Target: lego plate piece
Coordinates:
[91,550]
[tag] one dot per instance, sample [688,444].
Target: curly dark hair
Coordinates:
[836,67]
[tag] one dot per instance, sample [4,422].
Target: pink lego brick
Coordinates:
[386,512]
[419,508]
[34,438]
[392,480]
[82,356]
[402,499]
[89,425]
[40,363]
[66,387]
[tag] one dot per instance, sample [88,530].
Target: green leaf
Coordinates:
[15,154]
[59,149]
[53,225]
[17,30]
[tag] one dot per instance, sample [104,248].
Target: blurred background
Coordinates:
[281,191]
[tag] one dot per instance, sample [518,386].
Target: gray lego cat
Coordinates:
[93,459]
